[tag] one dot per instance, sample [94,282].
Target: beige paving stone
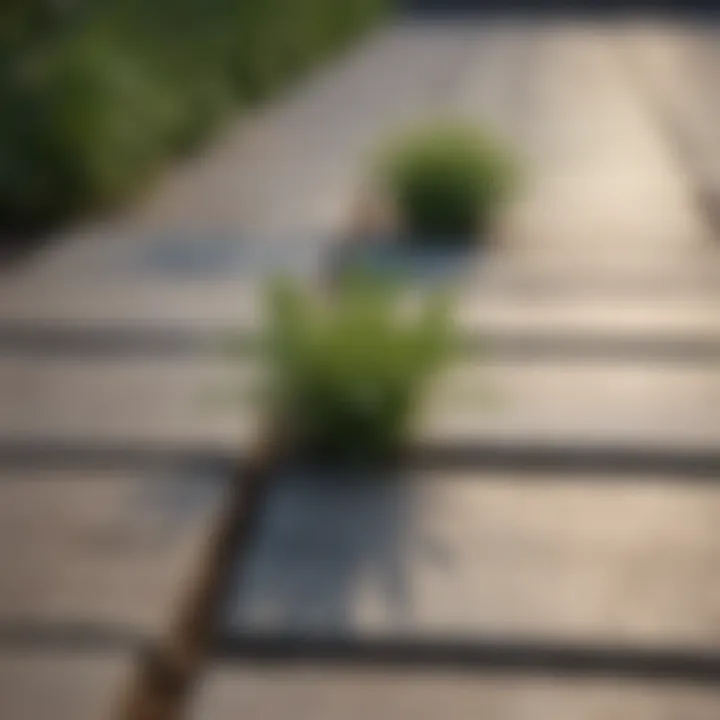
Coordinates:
[138,401]
[100,554]
[61,685]
[590,560]
[352,694]
[651,405]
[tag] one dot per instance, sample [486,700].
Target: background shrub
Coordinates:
[96,94]
[347,375]
[446,182]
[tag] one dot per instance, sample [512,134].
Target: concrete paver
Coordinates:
[353,694]
[101,554]
[558,402]
[95,568]
[677,64]
[439,556]
[62,685]
[605,197]
[201,403]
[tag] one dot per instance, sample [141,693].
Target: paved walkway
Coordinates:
[567,528]
[115,471]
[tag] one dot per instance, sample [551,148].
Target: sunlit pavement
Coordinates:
[613,237]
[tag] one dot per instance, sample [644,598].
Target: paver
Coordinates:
[677,63]
[208,404]
[100,556]
[558,402]
[607,196]
[151,301]
[440,557]
[96,568]
[324,693]
[62,685]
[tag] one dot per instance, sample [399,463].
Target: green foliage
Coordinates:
[347,374]
[95,95]
[446,182]
[85,125]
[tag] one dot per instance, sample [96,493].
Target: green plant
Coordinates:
[347,374]
[95,96]
[446,181]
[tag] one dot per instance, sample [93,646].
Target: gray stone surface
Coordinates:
[89,301]
[293,168]
[138,401]
[678,65]
[503,297]
[61,685]
[113,554]
[290,174]
[607,228]
[607,205]
[583,313]
[353,694]
[608,194]
[591,560]
[99,554]
[594,403]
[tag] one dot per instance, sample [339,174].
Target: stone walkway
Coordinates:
[115,457]
[566,528]
[115,472]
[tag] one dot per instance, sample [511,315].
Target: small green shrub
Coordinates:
[446,182]
[347,374]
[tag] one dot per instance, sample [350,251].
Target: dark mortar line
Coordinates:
[51,453]
[660,348]
[480,655]
[651,463]
[47,339]
[152,343]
